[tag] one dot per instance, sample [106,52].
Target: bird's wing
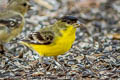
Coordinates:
[42,37]
[11,22]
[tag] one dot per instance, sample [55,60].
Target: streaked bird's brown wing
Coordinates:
[42,37]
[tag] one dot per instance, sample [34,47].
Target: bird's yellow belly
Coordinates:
[60,46]
[54,49]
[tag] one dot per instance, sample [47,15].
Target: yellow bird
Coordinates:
[12,20]
[53,40]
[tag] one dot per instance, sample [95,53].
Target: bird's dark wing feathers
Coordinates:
[11,22]
[43,38]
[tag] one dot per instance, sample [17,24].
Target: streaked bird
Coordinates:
[55,39]
[12,20]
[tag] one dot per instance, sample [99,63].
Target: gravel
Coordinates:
[95,54]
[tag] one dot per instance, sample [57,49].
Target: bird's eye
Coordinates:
[24,4]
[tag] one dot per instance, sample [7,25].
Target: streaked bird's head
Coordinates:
[71,21]
[21,6]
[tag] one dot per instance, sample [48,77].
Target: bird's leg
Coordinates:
[41,61]
[58,64]
[2,51]
[43,64]
[55,57]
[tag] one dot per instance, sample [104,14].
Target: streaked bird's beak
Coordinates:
[29,6]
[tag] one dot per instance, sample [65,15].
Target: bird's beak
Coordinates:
[79,24]
[29,6]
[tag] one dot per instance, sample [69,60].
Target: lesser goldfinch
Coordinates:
[53,40]
[12,20]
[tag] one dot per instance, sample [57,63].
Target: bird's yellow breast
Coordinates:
[59,46]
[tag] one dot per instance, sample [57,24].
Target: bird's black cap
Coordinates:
[69,19]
